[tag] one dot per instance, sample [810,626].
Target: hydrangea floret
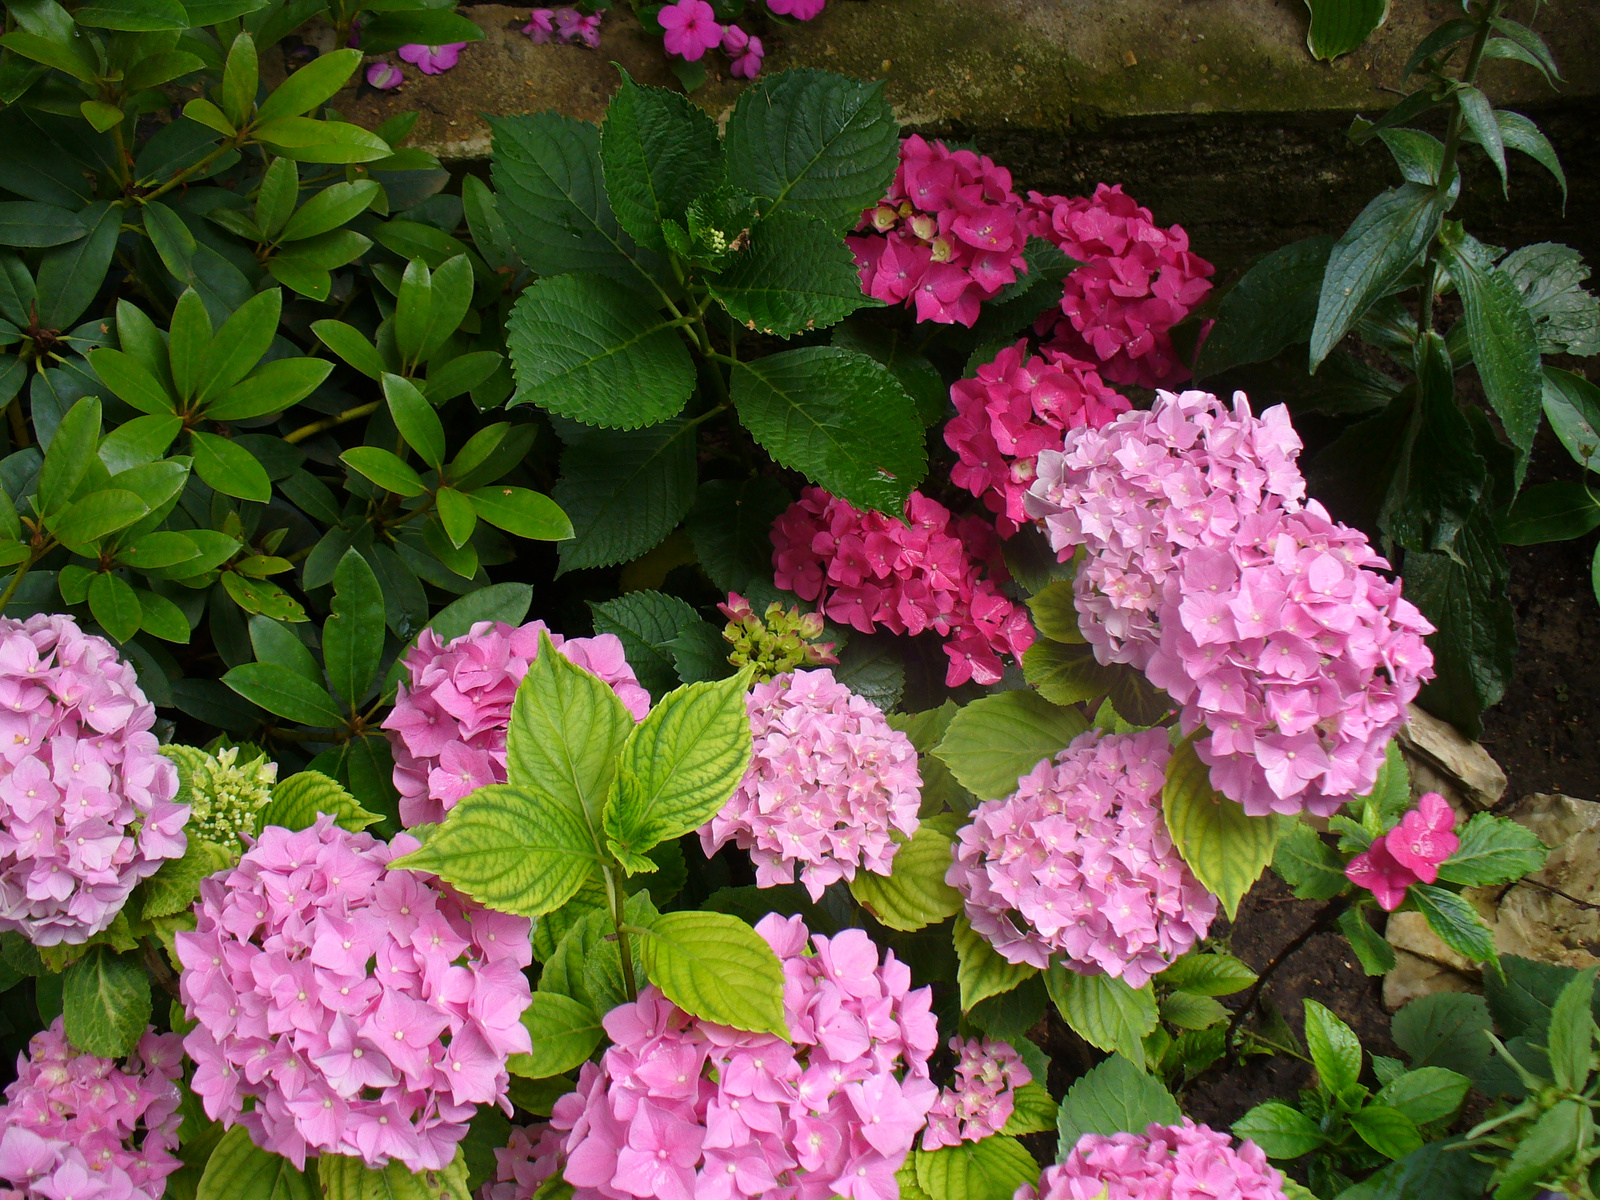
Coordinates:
[1409,853]
[1077,863]
[935,572]
[530,1156]
[1166,1162]
[225,796]
[86,800]
[829,782]
[1266,620]
[983,1097]
[775,643]
[80,1127]
[680,1108]
[345,1008]
[448,725]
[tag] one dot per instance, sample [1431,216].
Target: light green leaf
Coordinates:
[1280,1131]
[346,1177]
[1208,974]
[176,885]
[914,894]
[1335,1050]
[624,492]
[114,605]
[238,1169]
[307,140]
[313,84]
[1455,921]
[331,208]
[351,345]
[524,513]
[1226,850]
[717,968]
[990,1169]
[238,346]
[981,972]
[1428,1094]
[1493,850]
[1189,1011]
[564,1032]
[384,469]
[1105,1012]
[416,419]
[95,516]
[229,468]
[106,1002]
[1066,674]
[270,389]
[1387,1130]
[1339,26]
[298,800]
[130,381]
[1114,1097]
[1033,1111]
[995,740]
[160,617]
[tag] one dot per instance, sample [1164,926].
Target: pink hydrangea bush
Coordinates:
[1266,620]
[1015,407]
[828,783]
[347,1008]
[1077,863]
[983,1097]
[529,1157]
[936,573]
[86,799]
[80,1127]
[1166,1162]
[1409,853]
[680,1108]
[448,725]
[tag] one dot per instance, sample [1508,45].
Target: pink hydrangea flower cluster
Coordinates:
[360,1010]
[1137,281]
[828,782]
[948,236]
[448,725]
[1016,407]
[564,25]
[1166,1162]
[1260,615]
[86,799]
[983,1098]
[1409,853]
[870,571]
[80,1127]
[531,1156]
[1080,853]
[681,1109]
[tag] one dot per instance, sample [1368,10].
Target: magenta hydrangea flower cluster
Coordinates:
[1260,615]
[1166,1162]
[1080,853]
[681,1109]
[1409,853]
[80,1127]
[359,1010]
[448,725]
[86,799]
[1137,281]
[1015,407]
[829,781]
[936,573]
[983,1097]
[531,1155]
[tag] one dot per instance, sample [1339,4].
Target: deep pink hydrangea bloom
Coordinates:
[691,27]
[433,60]
[1409,853]
[1376,870]
[828,782]
[870,571]
[1260,615]
[800,10]
[385,76]
[1081,854]
[448,726]
[1137,281]
[744,52]
[1166,1162]
[1014,408]
[364,1011]
[532,1155]
[80,1127]
[681,1109]
[86,807]
[983,1097]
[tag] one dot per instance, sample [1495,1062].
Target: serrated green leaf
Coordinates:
[914,894]
[1493,850]
[646,622]
[1335,1050]
[1445,1029]
[238,1169]
[1114,1097]
[717,968]
[1376,955]
[1272,307]
[1309,865]
[1565,314]
[995,740]
[658,152]
[106,1002]
[1425,1095]
[564,1032]
[176,885]
[981,972]
[1455,921]
[1280,1131]
[1208,974]
[1067,674]
[990,1169]
[1104,1011]
[1387,1130]
[624,492]
[797,275]
[298,800]
[1226,850]
[1189,1011]
[346,1177]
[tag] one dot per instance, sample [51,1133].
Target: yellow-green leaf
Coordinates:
[1226,850]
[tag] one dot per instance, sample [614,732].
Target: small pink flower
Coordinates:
[540,26]
[433,60]
[1423,839]
[744,52]
[385,76]
[583,29]
[800,10]
[691,27]
[1379,872]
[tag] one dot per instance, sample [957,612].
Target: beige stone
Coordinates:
[1444,761]
[1554,915]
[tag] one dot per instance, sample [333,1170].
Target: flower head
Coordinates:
[1078,863]
[433,60]
[1166,1162]
[573,26]
[776,643]
[531,1156]
[360,1010]
[224,795]
[983,1098]
[744,52]
[828,783]
[385,76]
[691,28]
[86,800]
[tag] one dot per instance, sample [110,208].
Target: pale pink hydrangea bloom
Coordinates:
[1409,853]
[681,1109]
[936,573]
[828,783]
[983,1097]
[1080,853]
[1014,408]
[744,52]
[448,725]
[86,807]
[433,60]
[1266,620]
[531,1156]
[80,1127]
[361,1010]
[800,10]
[691,29]
[1137,281]
[1166,1162]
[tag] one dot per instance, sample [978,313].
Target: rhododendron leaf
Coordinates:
[814,142]
[462,373]
[1114,1097]
[26,223]
[352,637]
[95,516]
[457,517]
[1455,921]
[229,468]
[508,602]
[510,848]
[521,512]
[838,417]
[995,740]
[586,348]
[346,1177]
[113,603]
[1309,865]
[646,622]
[415,418]
[238,1169]
[796,275]
[1389,235]
[1493,850]
[1339,26]
[990,1169]
[679,765]
[351,345]
[298,800]
[658,152]
[306,140]
[174,887]
[624,492]
[1066,674]
[717,968]
[1189,1011]
[312,85]
[915,894]
[384,469]
[1034,1111]
[385,32]
[106,1002]
[1208,974]
[160,617]
[1273,306]
[1280,1130]
[564,1033]
[1226,850]
[1375,953]
[285,693]
[1104,1011]
[131,382]
[71,451]
[980,971]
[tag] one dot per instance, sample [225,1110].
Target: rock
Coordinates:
[1444,761]
[1554,915]
[1423,963]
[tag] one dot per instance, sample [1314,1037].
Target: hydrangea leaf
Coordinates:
[646,621]
[346,1177]
[1208,974]
[1114,1097]
[1455,921]
[238,1169]
[1387,1130]
[796,275]
[175,886]
[990,1169]
[995,740]
[1033,1111]
[980,971]
[1104,1011]
[1445,1029]
[658,152]
[1429,1094]
[1373,951]
[717,968]
[1493,850]
[624,492]
[1066,674]
[1309,865]
[564,1032]
[1189,1011]
[1280,1130]
[1226,850]
[731,526]
[106,1002]
[1273,306]
[1055,613]
[298,800]
[914,894]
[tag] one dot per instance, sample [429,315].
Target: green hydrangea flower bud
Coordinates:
[224,794]
[776,643]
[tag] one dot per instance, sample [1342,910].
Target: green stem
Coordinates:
[316,427]
[616,899]
[183,176]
